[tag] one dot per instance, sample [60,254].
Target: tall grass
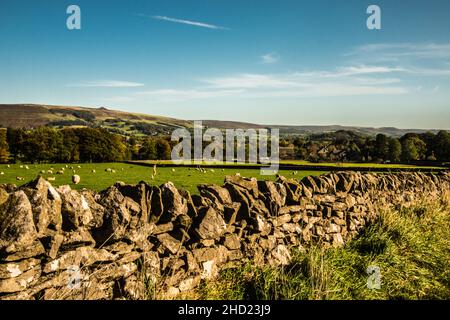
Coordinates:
[410,246]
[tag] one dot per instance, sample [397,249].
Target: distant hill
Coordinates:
[32,116]
[308,130]
[126,123]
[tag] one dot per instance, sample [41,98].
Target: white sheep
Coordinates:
[9,166]
[19,178]
[49,171]
[60,172]
[27,168]
[21,166]
[51,178]
[93,171]
[2,173]
[76,179]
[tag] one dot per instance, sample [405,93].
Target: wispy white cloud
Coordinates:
[107,84]
[444,72]
[349,81]
[175,95]
[435,89]
[249,81]
[396,51]
[118,99]
[186,22]
[305,79]
[270,58]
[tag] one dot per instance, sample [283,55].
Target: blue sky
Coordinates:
[274,62]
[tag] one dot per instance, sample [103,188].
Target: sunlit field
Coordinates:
[95,176]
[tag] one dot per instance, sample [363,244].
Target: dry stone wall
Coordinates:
[58,243]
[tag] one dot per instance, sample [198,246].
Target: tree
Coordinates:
[42,144]
[409,150]
[4,149]
[382,147]
[163,149]
[395,150]
[15,138]
[148,150]
[443,146]
[70,149]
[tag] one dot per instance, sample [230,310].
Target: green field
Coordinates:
[355,165]
[302,163]
[186,178]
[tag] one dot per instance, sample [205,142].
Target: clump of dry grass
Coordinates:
[411,247]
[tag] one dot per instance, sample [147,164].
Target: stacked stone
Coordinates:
[58,243]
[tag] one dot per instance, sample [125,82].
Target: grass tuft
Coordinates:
[410,246]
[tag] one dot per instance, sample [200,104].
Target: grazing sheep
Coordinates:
[51,178]
[19,178]
[21,166]
[93,171]
[212,170]
[2,173]
[49,171]
[76,179]
[79,167]
[42,172]
[173,170]
[108,170]
[60,172]
[9,166]
[27,168]
[113,171]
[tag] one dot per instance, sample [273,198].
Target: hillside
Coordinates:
[32,116]
[126,123]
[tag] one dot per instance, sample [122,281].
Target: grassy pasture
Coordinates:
[185,178]
[355,165]
[303,163]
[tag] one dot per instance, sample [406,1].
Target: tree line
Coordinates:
[349,146]
[46,144]
[49,145]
